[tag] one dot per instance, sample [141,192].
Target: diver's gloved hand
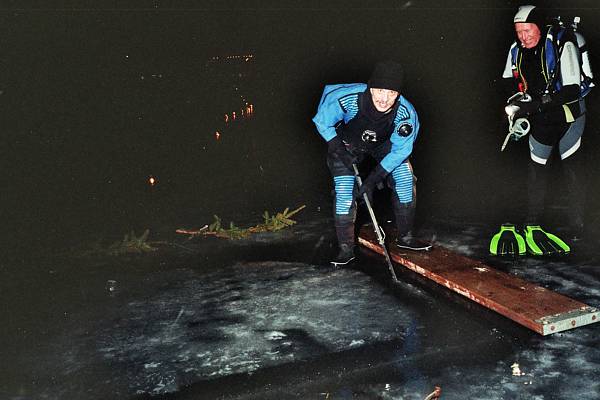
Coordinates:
[527,108]
[369,184]
[337,147]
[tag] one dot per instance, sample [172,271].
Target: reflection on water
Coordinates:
[205,169]
[238,76]
[172,147]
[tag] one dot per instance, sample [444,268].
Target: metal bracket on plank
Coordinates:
[569,320]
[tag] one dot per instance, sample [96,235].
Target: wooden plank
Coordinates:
[532,306]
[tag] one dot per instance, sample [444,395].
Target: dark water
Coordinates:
[95,100]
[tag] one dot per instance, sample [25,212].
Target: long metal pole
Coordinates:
[380,237]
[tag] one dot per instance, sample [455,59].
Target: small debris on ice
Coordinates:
[275,335]
[516,371]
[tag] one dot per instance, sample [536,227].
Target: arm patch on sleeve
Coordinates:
[405,129]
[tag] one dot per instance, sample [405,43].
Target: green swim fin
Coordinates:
[542,243]
[507,242]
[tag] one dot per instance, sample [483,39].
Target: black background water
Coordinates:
[95,98]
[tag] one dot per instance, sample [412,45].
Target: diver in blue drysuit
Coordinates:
[369,120]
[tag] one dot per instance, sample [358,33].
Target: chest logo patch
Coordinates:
[369,136]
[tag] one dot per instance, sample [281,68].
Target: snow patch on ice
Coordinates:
[275,335]
[248,317]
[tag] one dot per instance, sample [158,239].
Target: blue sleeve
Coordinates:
[402,146]
[330,110]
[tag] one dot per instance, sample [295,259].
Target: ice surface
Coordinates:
[199,324]
[238,320]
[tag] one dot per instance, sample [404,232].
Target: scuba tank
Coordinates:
[558,31]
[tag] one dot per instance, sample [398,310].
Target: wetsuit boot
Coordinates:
[539,242]
[537,180]
[574,178]
[405,217]
[344,228]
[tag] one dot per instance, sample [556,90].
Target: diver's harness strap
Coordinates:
[518,128]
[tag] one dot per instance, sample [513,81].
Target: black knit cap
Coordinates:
[387,75]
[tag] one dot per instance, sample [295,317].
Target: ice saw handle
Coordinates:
[378,230]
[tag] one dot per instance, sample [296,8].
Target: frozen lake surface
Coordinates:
[264,318]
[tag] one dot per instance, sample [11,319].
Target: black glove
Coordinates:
[527,108]
[337,147]
[368,185]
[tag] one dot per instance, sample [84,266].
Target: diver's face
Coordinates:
[383,99]
[528,34]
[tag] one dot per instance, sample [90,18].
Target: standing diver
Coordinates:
[549,68]
[359,120]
